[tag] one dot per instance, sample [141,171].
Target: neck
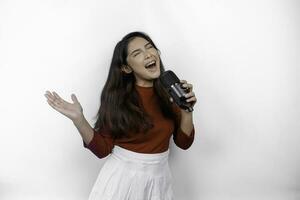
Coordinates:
[144,85]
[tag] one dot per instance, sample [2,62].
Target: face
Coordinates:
[143,61]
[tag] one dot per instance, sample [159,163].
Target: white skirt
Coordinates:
[128,175]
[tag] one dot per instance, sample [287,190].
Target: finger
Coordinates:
[192,99]
[59,99]
[48,92]
[52,104]
[51,97]
[190,94]
[48,95]
[74,98]
[188,85]
[171,99]
[57,103]
[53,100]
[183,81]
[55,107]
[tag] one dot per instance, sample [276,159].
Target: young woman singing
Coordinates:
[135,122]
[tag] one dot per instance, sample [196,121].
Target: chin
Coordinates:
[157,74]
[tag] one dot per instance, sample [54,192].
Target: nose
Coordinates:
[147,54]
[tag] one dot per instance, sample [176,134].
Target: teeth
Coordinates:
[150,63]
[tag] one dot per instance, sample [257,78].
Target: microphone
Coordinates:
[173,86]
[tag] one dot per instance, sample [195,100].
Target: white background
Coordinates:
[241,56]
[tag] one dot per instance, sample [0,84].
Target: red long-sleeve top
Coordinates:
[155,141]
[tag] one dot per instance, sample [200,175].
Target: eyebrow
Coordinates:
[139,49]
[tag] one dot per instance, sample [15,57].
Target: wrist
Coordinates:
[186,114]
[78,120]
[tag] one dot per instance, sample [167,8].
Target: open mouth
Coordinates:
[151,65]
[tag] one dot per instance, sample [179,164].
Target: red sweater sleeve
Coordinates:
[181,139]
[101,144]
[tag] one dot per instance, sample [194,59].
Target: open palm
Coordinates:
[70,110]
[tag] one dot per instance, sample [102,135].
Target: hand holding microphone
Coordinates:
[180,91]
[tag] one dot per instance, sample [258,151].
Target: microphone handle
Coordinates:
[177,93]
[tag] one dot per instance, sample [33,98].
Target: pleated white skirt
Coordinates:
[128,175]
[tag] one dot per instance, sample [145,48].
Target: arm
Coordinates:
[84,128]
[184,129]
[100,143]
[186,122]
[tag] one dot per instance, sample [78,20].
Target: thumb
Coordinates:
[74,98]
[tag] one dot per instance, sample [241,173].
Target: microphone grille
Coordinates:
[168,78]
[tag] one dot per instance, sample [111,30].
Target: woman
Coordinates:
[135,121]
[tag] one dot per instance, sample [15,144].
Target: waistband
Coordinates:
[127,155]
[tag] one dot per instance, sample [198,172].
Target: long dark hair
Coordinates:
[120,111]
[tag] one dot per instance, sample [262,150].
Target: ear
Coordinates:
[126,69]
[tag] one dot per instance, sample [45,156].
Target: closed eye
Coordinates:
[137,51]
[149,46]
[136,54]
